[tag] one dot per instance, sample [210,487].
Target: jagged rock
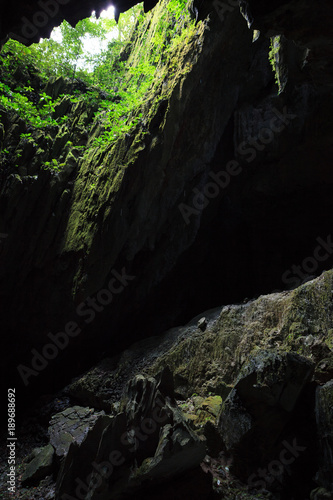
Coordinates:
[56,86]
[214,443]
[226,104]
[324,419]
[324,370]
[71,426]
[40,467]
[235,421]
[202,323]
[103,385]
[198,411]
[211,362]
[147,442]
[229,103]
[59,142]
[62,107]
[2,133]
[219,387]
[257,410]
[321,494]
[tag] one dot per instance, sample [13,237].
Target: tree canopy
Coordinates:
[64,53]
[136,56]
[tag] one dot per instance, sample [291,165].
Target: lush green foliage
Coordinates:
[273,57]
[65,55]
[136,72]
[127,70]
[39,116]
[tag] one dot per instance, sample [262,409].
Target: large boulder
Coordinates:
[257,410]
[145,444]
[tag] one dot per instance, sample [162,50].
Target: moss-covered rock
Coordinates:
[197,410]
[211,361]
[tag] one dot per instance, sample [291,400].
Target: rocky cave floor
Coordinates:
[240,388]
[33,435]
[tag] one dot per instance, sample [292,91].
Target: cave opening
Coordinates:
[184,167]
[43,86]
[268,229]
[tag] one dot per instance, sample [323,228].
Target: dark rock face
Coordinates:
[253,227]
[295,25]
[324,417]
[229,195]
[137,216]
[257,410]
[269,433]
[147,442]
[216,356]
[39,467]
